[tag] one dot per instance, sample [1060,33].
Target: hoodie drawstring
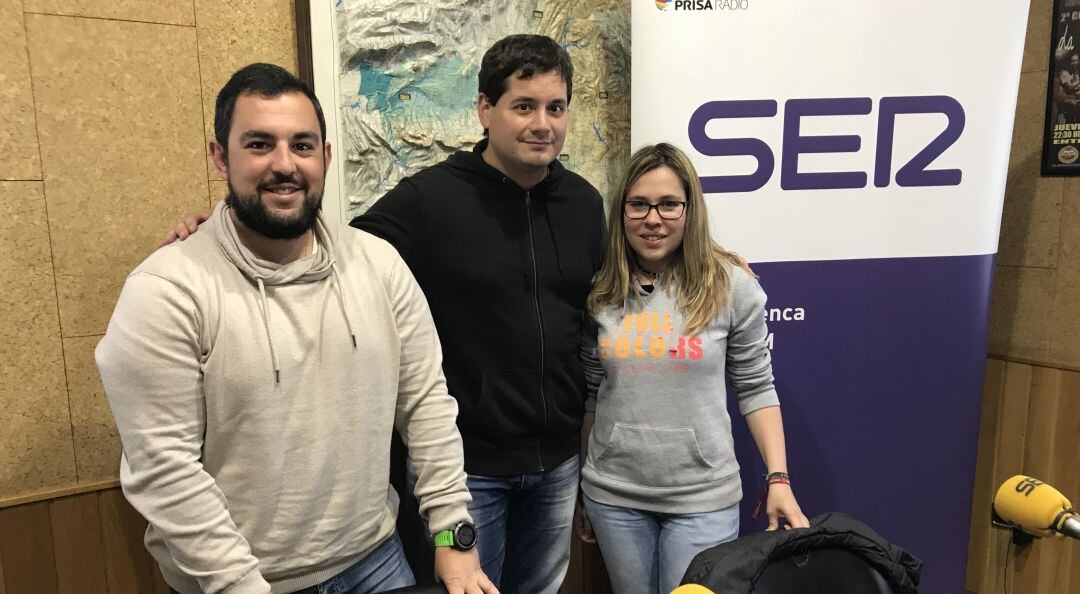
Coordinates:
[341,301]
[264,303]
[269,333]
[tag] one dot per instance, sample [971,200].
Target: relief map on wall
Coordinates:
[408,83]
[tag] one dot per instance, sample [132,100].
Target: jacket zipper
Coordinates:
[539,319]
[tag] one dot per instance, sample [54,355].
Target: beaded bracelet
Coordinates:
[773,478]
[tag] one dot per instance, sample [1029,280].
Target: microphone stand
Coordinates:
[1019,537]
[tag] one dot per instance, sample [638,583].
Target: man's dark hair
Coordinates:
[531,54]
[265,80]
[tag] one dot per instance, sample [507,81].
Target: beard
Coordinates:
[251,211]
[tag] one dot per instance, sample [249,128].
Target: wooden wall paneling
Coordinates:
[2,589]
[596,579]
[129,568]
[77,544]
[1056,572]
[26,547]
[1046,436]
[1066,458]
[160,587]
[1012,429]
[1009,460]
[1030,562]
[1074,562]
[575,573]
[586,574]
[989,421]
[1067,448]
[1042,424]
[1005,459]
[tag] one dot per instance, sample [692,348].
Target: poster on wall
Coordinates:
[855,158]
[398,99]
[1061,141]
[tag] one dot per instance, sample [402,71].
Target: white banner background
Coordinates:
[969,50]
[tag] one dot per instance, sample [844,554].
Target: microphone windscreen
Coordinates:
[692,589]
[1030,504]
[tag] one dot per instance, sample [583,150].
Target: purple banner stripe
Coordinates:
[881,388]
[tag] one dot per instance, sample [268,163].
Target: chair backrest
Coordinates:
[822,570]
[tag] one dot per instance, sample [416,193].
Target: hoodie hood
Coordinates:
[543,193]
[473,162]
[263,273]
[305,270]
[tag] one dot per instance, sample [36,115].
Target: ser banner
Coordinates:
[856,153]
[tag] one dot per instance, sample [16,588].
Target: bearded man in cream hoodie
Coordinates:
[256,372]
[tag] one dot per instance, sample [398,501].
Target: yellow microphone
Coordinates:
[692,589]
[1036,508]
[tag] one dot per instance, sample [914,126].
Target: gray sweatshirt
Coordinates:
[662,437]
[256,401]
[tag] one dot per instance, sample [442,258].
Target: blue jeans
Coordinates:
[523,526]
[383,569]
[648,552]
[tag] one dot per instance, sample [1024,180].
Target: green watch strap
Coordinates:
[444,538]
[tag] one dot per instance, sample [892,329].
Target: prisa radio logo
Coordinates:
[703,4]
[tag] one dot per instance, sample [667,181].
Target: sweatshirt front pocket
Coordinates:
[655,457]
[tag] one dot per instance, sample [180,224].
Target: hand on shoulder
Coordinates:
[187,226]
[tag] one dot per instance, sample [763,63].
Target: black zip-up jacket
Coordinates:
[506,273]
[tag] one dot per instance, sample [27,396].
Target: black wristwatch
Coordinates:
[462,537]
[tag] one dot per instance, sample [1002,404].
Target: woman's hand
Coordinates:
[582,526]
[782,504]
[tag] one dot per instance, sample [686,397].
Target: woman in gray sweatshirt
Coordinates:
[674,313]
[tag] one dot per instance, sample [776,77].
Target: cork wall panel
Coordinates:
[1037,41]
[1031,219]
[35,434]
[97,444]
[172,12]
[218,190]
[1021,312]
[126,94]
[234,34]
[18,134]
[1065,340]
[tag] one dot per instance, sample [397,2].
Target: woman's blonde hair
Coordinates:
[698,271]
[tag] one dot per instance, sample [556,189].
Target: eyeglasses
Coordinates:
[667,209]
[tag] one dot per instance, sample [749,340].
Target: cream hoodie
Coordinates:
[255,403]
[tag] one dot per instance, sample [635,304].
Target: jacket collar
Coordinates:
[474,161]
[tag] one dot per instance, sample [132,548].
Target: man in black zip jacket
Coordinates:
[504,242]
